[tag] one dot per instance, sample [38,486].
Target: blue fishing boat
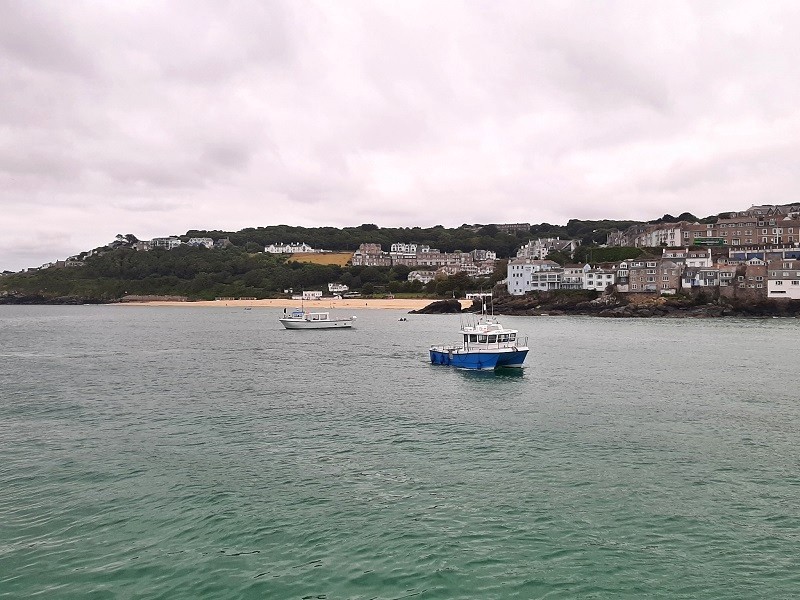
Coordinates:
[485,345]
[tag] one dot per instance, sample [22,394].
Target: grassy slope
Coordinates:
[328,258]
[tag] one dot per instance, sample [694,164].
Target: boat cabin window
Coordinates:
[466,338]
[492,339]
[482,339]
[473,337]
[512,337]
[503,337]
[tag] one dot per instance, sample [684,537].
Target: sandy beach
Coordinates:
[367,303]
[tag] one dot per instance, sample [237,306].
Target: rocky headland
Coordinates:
[615,305]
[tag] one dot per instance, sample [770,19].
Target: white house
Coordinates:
[165,242]
[422,276]
[598,279]
[699,258]
[310,295]
[540,248]
[572,278]
[526,275]
[783,279]
[295,248]
[338,288]
[205,242]
[403,248]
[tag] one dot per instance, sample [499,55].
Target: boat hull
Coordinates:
[304,324]
[486,360]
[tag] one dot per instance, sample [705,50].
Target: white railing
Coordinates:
[521,341]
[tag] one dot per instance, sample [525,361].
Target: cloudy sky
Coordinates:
[153,118]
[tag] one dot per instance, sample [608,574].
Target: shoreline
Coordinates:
[310,305]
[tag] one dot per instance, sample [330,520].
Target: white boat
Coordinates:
[300,319]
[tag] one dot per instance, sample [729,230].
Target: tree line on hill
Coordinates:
[244,270]
[203,274]
[464,238]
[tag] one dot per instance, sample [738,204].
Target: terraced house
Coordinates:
[750,276]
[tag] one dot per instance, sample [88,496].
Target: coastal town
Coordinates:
[750,255]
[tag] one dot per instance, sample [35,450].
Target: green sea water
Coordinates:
[208,453]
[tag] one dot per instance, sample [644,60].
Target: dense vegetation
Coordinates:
[464,238]
[243,270]
[199,273]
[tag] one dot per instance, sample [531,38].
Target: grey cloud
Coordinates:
[36,35]
[159,117]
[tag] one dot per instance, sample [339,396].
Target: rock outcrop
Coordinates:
[440,307]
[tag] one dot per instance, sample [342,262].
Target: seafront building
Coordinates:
[530,274]
[752,254]
[747,275]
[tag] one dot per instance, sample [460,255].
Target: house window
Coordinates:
[779,282]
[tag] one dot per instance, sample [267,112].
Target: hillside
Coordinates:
[244,270]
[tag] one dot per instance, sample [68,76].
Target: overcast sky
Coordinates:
[154,118]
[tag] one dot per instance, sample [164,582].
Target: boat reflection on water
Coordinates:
[493,374]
